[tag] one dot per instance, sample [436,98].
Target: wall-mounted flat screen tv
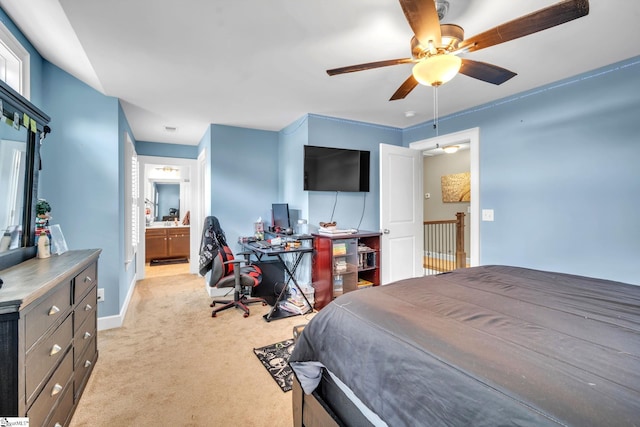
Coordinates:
[336,169]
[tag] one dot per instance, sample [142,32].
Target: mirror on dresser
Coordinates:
[21,128]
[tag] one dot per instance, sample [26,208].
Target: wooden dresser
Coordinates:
[48,342]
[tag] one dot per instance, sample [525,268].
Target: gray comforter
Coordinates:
[484,346]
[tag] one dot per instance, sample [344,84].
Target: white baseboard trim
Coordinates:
[116,321]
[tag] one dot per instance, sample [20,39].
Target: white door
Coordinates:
[401,218]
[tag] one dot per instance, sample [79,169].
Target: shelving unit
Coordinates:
[344,263]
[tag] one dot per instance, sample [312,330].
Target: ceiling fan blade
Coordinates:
[423,20]
[542,19]
[486,72]
[404,89]
[368,66]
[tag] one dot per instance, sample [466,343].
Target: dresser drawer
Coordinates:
[62,414]
[86,308]
[84,335]
[85,366]
[84,281]
[47,312]
[44,357]
[54,390]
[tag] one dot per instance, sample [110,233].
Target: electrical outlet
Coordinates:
[487,214]
[100,294]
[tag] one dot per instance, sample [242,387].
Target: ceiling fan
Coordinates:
[435,47]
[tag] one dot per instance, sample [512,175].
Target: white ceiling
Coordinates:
[261,64]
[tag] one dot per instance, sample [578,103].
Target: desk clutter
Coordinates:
[289,251]
[273,243]
[295,302]
[331,228]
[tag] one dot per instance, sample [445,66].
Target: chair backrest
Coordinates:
[219,269]
[214,253]
[212,240]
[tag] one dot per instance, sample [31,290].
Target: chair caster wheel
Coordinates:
[213,315]
[245,315]
[213,304]
[264,303]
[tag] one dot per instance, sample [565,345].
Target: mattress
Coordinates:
[484,346]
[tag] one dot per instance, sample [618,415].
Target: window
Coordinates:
[14,62]
[130,199]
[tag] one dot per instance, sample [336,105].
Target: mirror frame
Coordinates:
[13,102]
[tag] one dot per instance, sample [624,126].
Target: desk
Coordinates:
[278,252]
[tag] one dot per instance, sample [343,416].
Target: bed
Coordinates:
[483,346]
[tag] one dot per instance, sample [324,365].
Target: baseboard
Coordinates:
[110,322]
[116,321]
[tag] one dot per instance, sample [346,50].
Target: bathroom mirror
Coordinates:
[168,201]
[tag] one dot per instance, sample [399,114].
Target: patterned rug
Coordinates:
[275,358]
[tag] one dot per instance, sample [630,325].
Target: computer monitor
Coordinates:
[280,216]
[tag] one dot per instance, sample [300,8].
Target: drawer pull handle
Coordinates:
[56,389]
[53,310]
[57,425]
[87,363]
[88,279]
[87,307]
[87,335]
[55,349]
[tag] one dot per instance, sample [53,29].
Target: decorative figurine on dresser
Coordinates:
[43,234]
[48,306]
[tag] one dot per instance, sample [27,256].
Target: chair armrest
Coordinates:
[247,255]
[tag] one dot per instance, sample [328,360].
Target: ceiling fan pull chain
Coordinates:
[435,109]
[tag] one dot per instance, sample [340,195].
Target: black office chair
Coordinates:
[226,271]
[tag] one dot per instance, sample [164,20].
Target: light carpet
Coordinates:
[172,364]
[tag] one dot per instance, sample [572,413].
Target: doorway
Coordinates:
[471,137]
[181,172]
[409,180]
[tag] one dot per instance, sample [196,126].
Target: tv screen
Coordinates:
[335,169]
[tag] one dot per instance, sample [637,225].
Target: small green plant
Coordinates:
[42,207]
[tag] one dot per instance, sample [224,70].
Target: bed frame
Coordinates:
[326,406]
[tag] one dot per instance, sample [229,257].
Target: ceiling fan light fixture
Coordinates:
[436,70]
[450,149]
[452,35]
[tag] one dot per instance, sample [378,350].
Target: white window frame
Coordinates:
[15,62]
[131,174]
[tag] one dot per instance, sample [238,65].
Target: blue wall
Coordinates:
[559,165]
[290,152]
[81,174]
[244,178]
[157,149]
